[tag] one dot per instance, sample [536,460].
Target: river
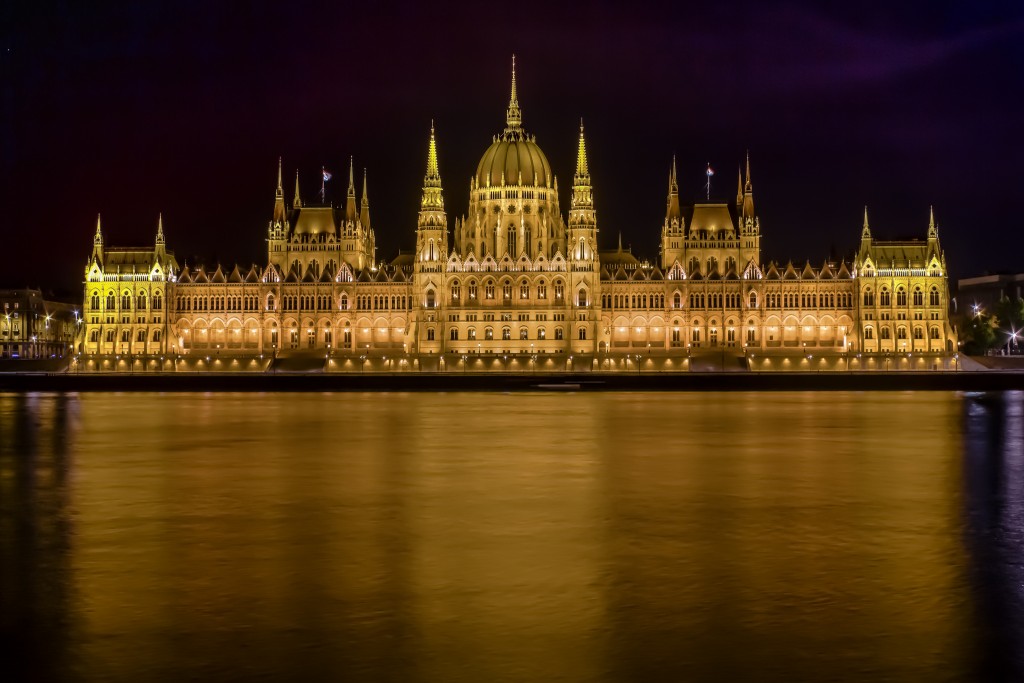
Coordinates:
[512,537]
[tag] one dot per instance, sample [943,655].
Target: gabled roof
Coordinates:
[253,274]
[200,276]
[790,272]
[235,275]
[844,272]
[773,272]
[807,273]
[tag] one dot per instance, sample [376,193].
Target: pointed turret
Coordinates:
[97,241]
[582,193]
[350,198]
[160,230]
[297,202]
[739,189]
[672,212]
[933,230]
[514,116]
[432,197]
[865,233]
[364,206]
[279,196]
[748,194]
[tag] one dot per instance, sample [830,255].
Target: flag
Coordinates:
[711,172]
[327,175]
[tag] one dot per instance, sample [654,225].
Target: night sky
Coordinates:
[184,108]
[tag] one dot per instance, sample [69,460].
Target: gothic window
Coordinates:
[869,333]
[675,335]
[751,333]
[126,335]
[677,300]
[694,265]
[314,268]
[126,301]
[156,335]
[869,297]
[94,336]
[541,334]
[488,333]
[94,302]
[730,335]
[918,333]
[918,297]
[142,336]
[885,333]
[901,297]
[489,289]
[506,290]
[506,333]
[430,298]
[901,332]
[933,297]
[111,302]
[110,336]
[270,302]
[430,333]
[581,297]
[934,332]
[542,290]
[343,302]
[558,333]
[523,333]
[524,290]
[454,334]
[885,298]
[471,334]
[752,300]
[472,289]
[512,241]
[582,333]
[695,335]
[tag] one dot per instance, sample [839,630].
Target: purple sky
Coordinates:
[184,108]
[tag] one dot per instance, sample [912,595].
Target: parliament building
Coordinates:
[516,284]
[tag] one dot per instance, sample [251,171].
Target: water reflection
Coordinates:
[467,537]
[994,481]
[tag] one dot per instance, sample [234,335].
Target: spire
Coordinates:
[98,237]
[514,116]
[582,169]
[279,196]
[933,230]
[672,211]
[364,210]
[747,187]
[739,186]
[865,233]
[160,229]
[432,197]
[620,241]
[297,203]
[350,199]
[748,194]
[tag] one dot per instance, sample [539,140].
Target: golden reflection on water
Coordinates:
[469,537]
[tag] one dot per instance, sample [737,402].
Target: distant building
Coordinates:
[981,294]
[32,327]
[516,281]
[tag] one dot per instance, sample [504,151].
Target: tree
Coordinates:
[1010,314]
[980,334]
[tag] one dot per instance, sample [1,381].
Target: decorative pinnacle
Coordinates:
[297,201]
[160,228]
[432,171]
[582,169]
[351,178]
[931,219]
[365,199]
[514,116]
[280,187]
[867,229]
[747,186]
[99,232]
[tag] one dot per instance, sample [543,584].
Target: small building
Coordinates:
[32,327]
[981,294]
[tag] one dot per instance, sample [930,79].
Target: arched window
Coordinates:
[506,333]
[523,333]
[869,297]
[885,333]
[343,302]
[454,334]
[752,300]
[512,241]
[472,289]
[430,298]
[582,333]
[677,300]
[885,298]
[542,290]
[558,333]
[918,333]
[489,289]
[126,301]
[471,333]
[488,333]
[869,333]
[542,333]
[141,302]
[506,290]
[901,297]
[918,297]
[270,302]
[524,290]
[694,266]
[581,297]
[933,297]
[94,302]
[111,301]
[934,332]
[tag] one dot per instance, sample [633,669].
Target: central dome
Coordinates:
[513,161]
[514,157]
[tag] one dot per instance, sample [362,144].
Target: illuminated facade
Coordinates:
[515,280]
